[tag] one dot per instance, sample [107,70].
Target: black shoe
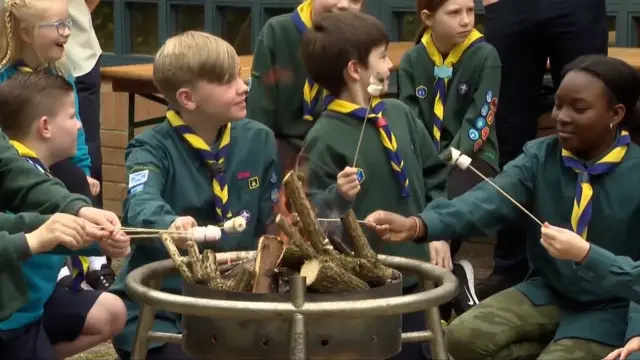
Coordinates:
[496,283]
[66,282]
[101,279]
[466,299]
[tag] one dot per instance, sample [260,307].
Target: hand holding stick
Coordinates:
[463,162]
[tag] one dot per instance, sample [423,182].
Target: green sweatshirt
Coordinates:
[23,188]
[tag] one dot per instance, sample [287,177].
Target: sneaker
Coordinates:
[65,282]
[466,298]
[101,279]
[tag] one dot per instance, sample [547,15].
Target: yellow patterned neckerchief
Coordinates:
[443,71]
[581,213]
[311,92]
[219,182]
[386,136]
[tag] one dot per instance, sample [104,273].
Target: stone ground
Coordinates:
[479,251]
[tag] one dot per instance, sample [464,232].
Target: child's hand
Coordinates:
[440,254]
[94,185]
[564,244]
[633,345]
[183,224]
[61,229]
[348,185]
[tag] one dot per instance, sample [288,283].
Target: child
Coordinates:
[451,79]
[35,36]
[38,114]
[203,165]
[280,94]
[593,108]
[340,53]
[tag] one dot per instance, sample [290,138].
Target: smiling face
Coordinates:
[47,33]
[379,66]
[60,131]
[451,23]
[584,114]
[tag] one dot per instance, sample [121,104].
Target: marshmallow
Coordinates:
[459,159]
[237,224]
[375,90]
[376,79]
[206,234]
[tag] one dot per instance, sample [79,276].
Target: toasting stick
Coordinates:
[463,162]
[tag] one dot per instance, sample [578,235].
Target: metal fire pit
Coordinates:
[297,326]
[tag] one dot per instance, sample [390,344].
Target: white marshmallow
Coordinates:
[206,234]
[376,79]
[214,233]
[375,89]
[237,224]
[459,159]
[454,155]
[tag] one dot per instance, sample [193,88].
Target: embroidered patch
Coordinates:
[138,178]
[421,92]
[243,175]
[485,110]
[485,133]
[274,177]
[490,117]
[254,182]
[494,104]
[477,145]
[246,215]
[481,123]
[474,134]
[463,88]
[136,189]
[360,175]
[274,195]
[489,96]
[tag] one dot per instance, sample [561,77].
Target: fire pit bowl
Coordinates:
[231,325]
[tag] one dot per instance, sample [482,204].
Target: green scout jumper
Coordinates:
[178,183]
[471,100]
[331,146]
[539,179]
[23,189]
[277,81]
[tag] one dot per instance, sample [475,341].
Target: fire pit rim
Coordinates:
[446,291]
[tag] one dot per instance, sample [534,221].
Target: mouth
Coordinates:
[61,44]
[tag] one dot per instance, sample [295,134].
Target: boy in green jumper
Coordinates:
[204,164]
[584,179]
[397,167]
[280,94]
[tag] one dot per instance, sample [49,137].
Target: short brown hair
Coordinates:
[190,57]
[334,40]
[26,97]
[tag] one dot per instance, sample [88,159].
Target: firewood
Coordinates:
[228,267]
[174,254]
[295,238]
[240,279]
[270,249]
[312,229]
[210,272]
[293,258]
[196,261]
[361,247]
[371,272]
[325,276]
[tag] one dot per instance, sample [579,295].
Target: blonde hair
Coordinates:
[17,15]
[190,57]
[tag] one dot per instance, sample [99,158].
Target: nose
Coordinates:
[342,5]
[465,19]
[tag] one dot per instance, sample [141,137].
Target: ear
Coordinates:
[426,17]
[617,114]
[27,34]
[43,127]
[353,70]
[186,98]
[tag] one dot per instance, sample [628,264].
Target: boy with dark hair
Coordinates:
[397,166]
[229,163]
[56,322]
[281,96]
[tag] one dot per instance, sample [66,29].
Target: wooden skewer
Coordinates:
[338,220]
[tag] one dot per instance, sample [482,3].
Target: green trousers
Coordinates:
[507,326]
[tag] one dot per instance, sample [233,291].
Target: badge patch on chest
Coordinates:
[421,92]
[485,110]
[489,96]
[463,88]
[474,134]
[246,215]
[274,177]
[254,183]
[274,195]
[138,178]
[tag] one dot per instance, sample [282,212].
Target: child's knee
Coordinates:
[109,315]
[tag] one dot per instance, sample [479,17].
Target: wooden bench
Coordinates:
[137,79]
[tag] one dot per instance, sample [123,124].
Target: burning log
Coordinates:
[295,238]
[324,275]
[239,279]
[270,250]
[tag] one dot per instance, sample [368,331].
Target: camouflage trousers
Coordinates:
[507,326]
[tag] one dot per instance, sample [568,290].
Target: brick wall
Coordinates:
[113,133]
